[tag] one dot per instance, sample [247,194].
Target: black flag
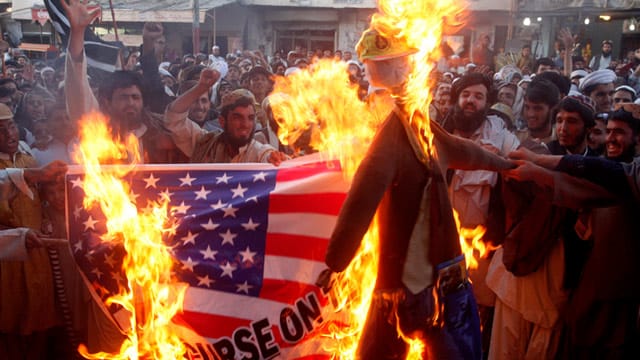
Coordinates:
[100,54]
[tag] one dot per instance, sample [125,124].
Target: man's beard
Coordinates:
[606,54]
[235,142]
[468,123]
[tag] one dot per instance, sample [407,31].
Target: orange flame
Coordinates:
[320,104]
[321,101]
[421,24]
[471,243]
[152,297]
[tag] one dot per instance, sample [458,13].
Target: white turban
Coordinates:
[578,74]
[597,77]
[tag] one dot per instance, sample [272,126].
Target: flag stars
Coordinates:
[172,229]
[151,181]
[205,281]
[165,195]
[250,226]
[133,197]
[190,238]
[244,287]
[261,176]
[108,259]
[202,194]
[90,223]
[228,237]
[208,253]
[253,198]
[228,269]
[219,205]
[238,191]
[97,272]
[117,277]
[77,182]
[182,208]
[210,225]
[229,211]
[247,255]
[77,212]
[187,180]
[189,264]
[223,179]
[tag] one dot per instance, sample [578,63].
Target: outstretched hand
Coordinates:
[32,240]
[565,36]
[277,157]
[78,13]
[522,153]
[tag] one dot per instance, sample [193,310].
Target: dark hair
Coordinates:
[474,78]
[188,85]
[572,105]
[192,72]
[242,102]
[544,61]
[118,80]
[4,81]
[627,117]
[563,83]
[542,91]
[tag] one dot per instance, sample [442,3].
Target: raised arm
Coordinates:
[79,18]
[208,78]
[78,95]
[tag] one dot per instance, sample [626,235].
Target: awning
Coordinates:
[36,47]
[126,39]
[176,11]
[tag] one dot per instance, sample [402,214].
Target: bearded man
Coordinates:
[237,118]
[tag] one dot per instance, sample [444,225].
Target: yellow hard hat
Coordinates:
[373,46]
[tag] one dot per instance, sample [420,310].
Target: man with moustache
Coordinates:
[599,86]
[539,99]
[121,95]
[238,119]
[602,61]
[574,118]
[469,120]
[601,318]
[471,191]
[199,109]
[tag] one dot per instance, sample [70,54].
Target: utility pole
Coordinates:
[196,27]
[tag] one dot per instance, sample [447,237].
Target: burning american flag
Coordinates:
[249,241]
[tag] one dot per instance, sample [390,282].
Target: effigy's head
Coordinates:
[385,58]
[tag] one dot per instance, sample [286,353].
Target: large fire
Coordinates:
[152,296]
[321,100]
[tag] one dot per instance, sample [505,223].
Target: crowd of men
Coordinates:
[559,283]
